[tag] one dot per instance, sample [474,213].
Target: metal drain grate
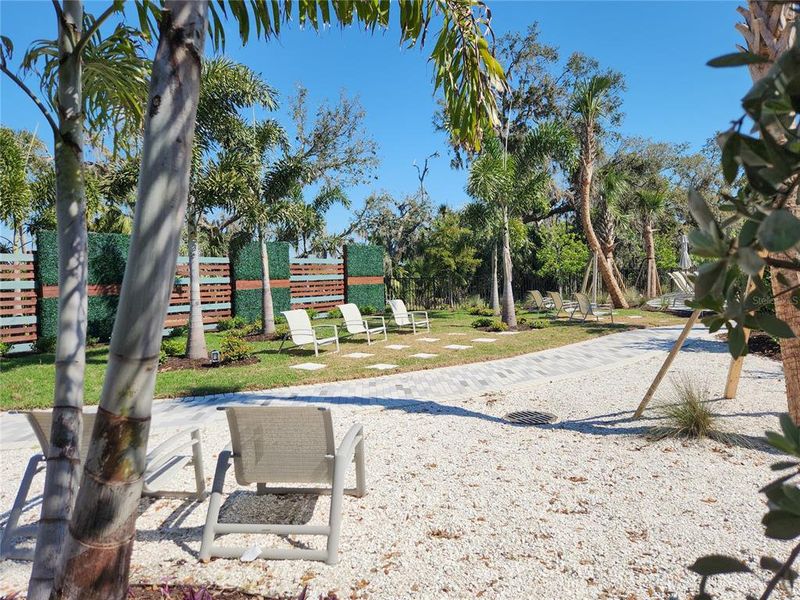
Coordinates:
[530,417]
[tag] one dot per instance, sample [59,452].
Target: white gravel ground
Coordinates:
[461,505]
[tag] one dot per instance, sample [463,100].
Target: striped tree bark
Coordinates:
[96,560]
[63,456]
[267,309]
[196,340]
[768,30]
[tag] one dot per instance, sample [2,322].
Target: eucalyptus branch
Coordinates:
[21,84]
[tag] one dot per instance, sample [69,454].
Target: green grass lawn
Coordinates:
[27,381]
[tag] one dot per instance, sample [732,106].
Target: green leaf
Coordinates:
[774,326]
[737,59]
[790,431]
[781,525]
[717,564]
[730,154]
[780,231]
[736,341]
[700,211]
[749,260]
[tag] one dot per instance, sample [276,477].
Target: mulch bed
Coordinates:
[260,337]
[187,592]
[761,344]
[519,327]
[177,363]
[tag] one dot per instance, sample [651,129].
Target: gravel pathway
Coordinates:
[463,505]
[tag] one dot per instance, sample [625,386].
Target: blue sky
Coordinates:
[660,47]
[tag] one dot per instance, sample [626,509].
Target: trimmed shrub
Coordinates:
[368,309]
[234,348]
[4,348]
[173,347]
[162,357]
[482,322]
[498,325]
[335,313]
[281,331]
[481,311]
[539,324]
[45,344]
[313,313]
[236,322]
[179,331]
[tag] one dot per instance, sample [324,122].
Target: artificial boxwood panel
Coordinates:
[364,260]
[246,261]
[102,312]
[48,317]
[367,295]
[108,253]
[247,303]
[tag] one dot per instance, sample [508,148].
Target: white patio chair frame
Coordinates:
[304,333]
[559,306]
[583,306]
[289,460]
[162,463]
[355,323]
[408,318]
[541,302]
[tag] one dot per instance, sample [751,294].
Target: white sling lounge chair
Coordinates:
[285,444]
[404,318]
[356,324]
[585,309]
[558,305]
[303,333]
[162,465]
[538,301]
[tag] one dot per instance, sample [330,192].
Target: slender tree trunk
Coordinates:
[22,241]
[63,457]
[650,252]
[196,340]
[509,315]
[495,283]
[586,174]
[97,556]
[267,310]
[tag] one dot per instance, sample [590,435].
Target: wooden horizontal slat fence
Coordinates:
[17,299]
[316,283]
[215,292]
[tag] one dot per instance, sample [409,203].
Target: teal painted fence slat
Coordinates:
[308,299]
[316,261]
[5,257]
[185,280]
[6,321]
[334,277]
[17,285]
[184,308]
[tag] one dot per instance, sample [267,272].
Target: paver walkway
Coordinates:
[402,389]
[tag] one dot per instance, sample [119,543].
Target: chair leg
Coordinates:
[7,550]
[316,348]
[337,343]
[361,474]
[214,504]
[335,519]
[197,460]
[283,341]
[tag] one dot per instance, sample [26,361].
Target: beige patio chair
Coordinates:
[355,323]
[538,301]
[303,333]
[405,318]
[584,308]
[163,463]
[285,444]
[558,305]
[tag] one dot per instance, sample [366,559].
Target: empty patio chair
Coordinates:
[405,318]
[355,323]
[303,333]
[290,445]
[538,301]
[584,308]
[558,304]
[162,465]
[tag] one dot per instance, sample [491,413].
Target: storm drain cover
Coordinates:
[530,417]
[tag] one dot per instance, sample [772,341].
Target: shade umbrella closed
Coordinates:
[685,261]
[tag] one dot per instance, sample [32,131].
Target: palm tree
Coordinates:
[612,185]
[95,563]
[485,227]
[590,103]
[769,31]
[225,89]
[650,204]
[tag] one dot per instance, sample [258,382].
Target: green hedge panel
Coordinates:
[108,253]
[363,295]
[48,317]
[102,311]
[247,303]
[246,261]
[364,260]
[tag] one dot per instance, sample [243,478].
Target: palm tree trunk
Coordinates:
[769,31]
[495,283]
[267,309]
[509,315]
[22,241]
[586,174]
[196,340]
[63,457]
[97,556]
[650,252]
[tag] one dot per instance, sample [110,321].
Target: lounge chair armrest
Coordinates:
[331,325]
[347,447]
[167,449]
[382,319]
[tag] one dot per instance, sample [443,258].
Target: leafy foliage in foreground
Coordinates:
[781,522]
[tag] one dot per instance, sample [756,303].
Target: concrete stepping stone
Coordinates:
[426,339]
[484,340]
[309,366]
[456,333]
[507,332]
[457,347]
[382,366]
[633,316]
[358,355]
[424,355]
[397,347]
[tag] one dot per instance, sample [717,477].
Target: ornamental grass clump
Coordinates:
[689,416]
